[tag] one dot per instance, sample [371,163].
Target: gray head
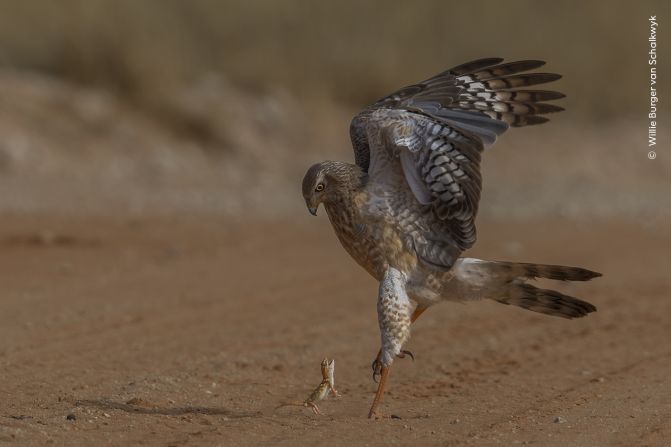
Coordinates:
[325,181]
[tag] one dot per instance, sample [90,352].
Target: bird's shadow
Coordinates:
[105,404]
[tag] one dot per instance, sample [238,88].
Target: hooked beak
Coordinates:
[312,207]
[312,204]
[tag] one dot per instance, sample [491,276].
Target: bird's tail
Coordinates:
[506,282]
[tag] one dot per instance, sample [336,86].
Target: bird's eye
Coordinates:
[320,187]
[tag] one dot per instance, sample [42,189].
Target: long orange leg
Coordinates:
[384,371]
[418,311]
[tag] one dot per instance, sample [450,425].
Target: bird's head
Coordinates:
[327,182]
[317,186]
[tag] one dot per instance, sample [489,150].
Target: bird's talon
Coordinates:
[404,353]
[376,374]
[377,367]
[375,415]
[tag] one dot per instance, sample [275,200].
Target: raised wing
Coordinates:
[439,128]
[483,97]
[441,164]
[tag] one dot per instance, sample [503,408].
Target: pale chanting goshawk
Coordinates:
[406,210]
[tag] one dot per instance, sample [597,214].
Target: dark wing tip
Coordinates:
[594,274]
[528,120]
[549,77]
[540,107]
[477,64]
[549,95]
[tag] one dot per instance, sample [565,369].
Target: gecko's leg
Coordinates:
[377,366]
[315,408]
[291,404]
[393,313]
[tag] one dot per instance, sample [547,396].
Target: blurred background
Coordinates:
[163,283]
[219,106]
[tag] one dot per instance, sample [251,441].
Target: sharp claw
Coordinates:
[376,372]
[376,369]
[404,353]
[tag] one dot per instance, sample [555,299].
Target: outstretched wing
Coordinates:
[482,96]
[439,128]
[441,165]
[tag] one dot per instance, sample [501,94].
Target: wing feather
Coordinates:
[441,165]
[439,128]
[483,97]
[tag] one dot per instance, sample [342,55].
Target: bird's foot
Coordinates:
[403,353]
[377,363]
[374,414]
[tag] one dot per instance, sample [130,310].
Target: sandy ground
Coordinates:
[188,331]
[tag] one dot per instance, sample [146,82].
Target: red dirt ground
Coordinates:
[189,331]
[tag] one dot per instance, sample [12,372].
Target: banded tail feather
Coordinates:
[523,270]
[545,301]
[506,283]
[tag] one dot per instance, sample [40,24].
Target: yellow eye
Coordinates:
[320,187]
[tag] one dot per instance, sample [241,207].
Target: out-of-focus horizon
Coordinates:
[219,106]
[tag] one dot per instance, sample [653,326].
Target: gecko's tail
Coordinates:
[293,403]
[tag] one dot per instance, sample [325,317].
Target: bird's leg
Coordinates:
[377,366]
[393,312]
[384,373]
[417,312]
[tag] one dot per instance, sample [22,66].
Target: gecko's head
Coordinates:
[328,368]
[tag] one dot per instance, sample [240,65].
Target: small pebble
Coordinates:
[71,417]
[559,420]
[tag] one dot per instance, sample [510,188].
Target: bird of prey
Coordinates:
[406,210]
